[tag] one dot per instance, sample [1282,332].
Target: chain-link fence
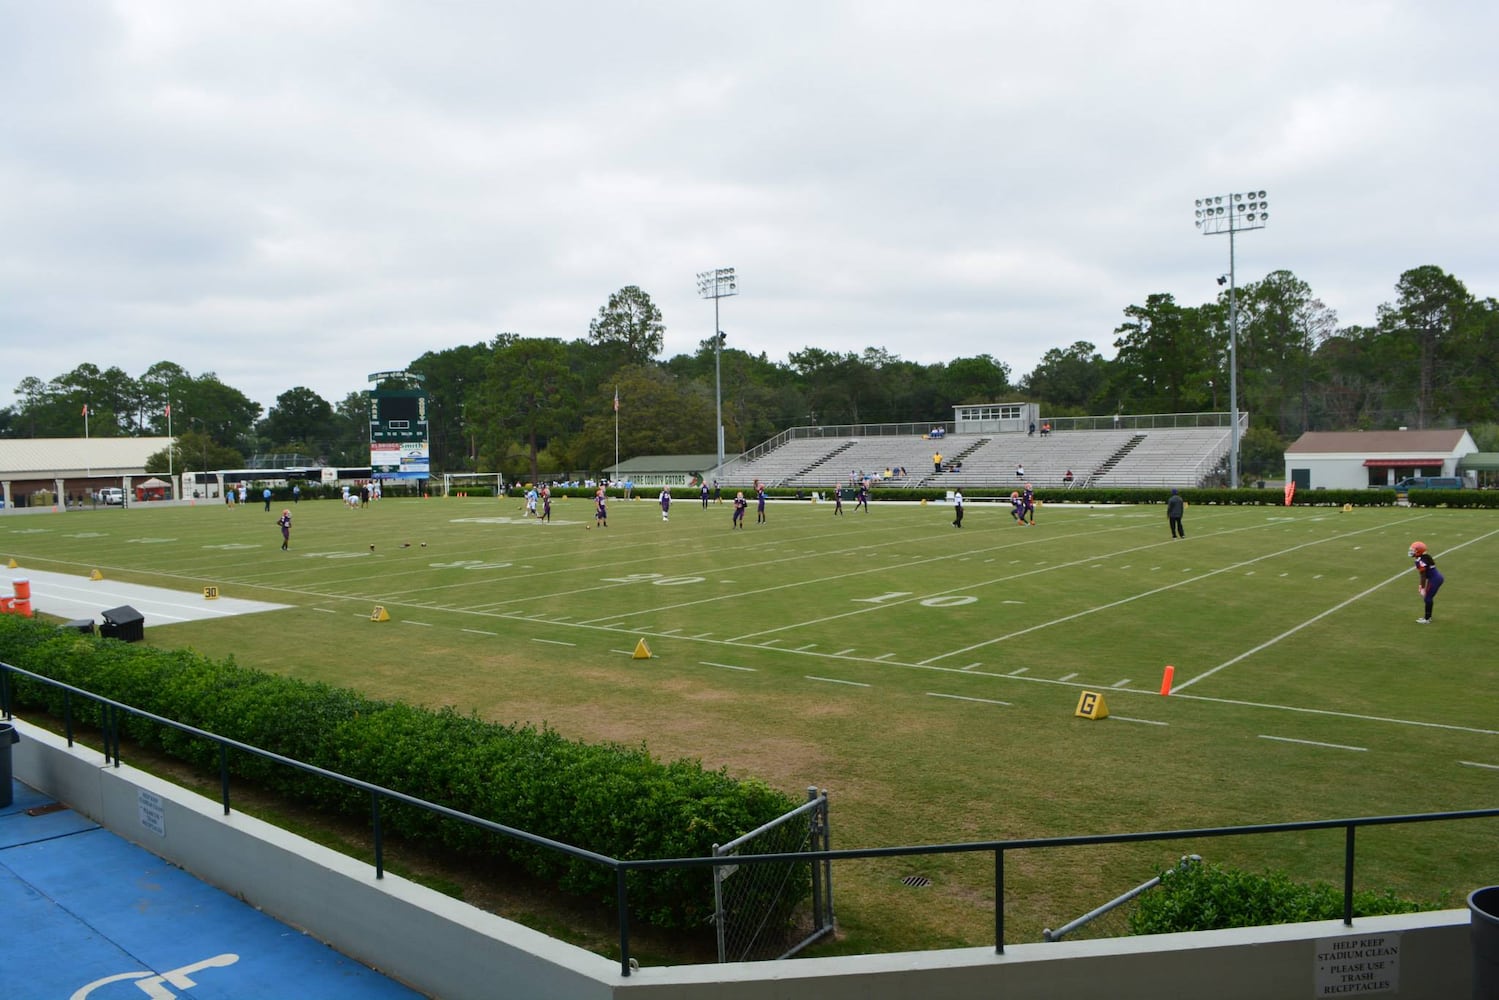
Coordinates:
[773,910]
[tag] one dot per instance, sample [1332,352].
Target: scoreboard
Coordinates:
[399,443]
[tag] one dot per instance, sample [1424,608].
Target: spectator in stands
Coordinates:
[1019,470]
[1067,477]
[1032,431]
[936,462]
[1046,429]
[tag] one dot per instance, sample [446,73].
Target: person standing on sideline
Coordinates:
[266,496]
[739,507]
[666,503]
[838,500]
[957,508]
[1431,578]
[285,521]
[1174,505]
[296,494]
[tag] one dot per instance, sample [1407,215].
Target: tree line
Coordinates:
[530,407]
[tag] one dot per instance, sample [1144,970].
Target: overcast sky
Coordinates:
[302,192]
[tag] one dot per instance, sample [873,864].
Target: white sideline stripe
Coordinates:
[1120,684]
[1313,743]
[959,697]
[834,680]
[1064,679]
[554,642]
[422,624]
[1018,671]
[803,649]
[326,611]
[480,631]
[844,652]
[626,652]
[670,631]
[884,656]
[1143,722]
[1122,601]
[1474,763]
[975,663]
[1315,618]
[702,635]
[610,624]
[726,666]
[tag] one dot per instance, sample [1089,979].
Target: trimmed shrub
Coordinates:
[1205,897]
[607,798]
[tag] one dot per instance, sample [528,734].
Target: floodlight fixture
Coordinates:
[719,283]
[1244,210]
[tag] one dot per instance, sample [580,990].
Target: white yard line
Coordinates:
[960,697]
[1313,743]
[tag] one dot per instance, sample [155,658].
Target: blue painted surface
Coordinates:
[79,905]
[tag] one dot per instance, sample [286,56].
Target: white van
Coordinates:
[111,495]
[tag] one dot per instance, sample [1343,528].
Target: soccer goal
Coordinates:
[479,484]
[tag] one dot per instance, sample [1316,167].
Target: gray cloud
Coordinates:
[300,194]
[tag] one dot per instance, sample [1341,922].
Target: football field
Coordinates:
[927,676]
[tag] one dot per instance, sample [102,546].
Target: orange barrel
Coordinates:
[23,607]
[7,605]
[23,589]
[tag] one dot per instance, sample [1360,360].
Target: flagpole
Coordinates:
[616,430]
[88,463]
[170,449]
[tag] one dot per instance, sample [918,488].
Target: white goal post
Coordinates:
[458,483]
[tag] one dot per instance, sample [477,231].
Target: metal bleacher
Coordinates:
[1134,455]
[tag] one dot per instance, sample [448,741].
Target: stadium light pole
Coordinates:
[716,284]
[1232,213]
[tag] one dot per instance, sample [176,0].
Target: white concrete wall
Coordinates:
[451,950]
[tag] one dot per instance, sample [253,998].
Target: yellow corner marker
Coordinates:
[1348,508]
[642,651]
[210,593]
[95,575]
[379,614]
[1090,706]
[14,565]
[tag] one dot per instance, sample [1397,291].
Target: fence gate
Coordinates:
[773,910]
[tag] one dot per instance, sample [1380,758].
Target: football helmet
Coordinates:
[1417,549]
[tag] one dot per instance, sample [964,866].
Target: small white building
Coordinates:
[1354,460]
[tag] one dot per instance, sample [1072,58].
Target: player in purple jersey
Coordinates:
[600,511]
[285,521]
[740,504]
[665,503]
[703,495]
[760,505]
[838,501]
[1017,507]
[1431,578]
[1028,504]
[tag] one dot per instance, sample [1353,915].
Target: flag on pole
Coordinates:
[616,399]
[85,409]
[169,409]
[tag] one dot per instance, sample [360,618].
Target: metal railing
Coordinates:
[114,711]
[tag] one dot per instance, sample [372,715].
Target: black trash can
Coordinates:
[8,736]
[1483,933]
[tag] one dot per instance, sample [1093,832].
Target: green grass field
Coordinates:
[925,676]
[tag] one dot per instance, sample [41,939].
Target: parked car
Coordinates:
[111,495]
[1429,483]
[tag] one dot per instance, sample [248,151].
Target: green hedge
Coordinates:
[608,798]
[1453,498]
[1205,897]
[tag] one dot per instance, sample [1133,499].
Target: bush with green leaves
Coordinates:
[1204,897]
[611,799]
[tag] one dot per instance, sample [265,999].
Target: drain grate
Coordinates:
[916,881]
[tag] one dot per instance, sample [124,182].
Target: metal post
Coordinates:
[999,901]
[1230,214]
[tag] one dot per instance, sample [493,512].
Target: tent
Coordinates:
[152,489]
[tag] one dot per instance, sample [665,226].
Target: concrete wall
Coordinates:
[450,950]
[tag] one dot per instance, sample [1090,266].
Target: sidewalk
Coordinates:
[90,916]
